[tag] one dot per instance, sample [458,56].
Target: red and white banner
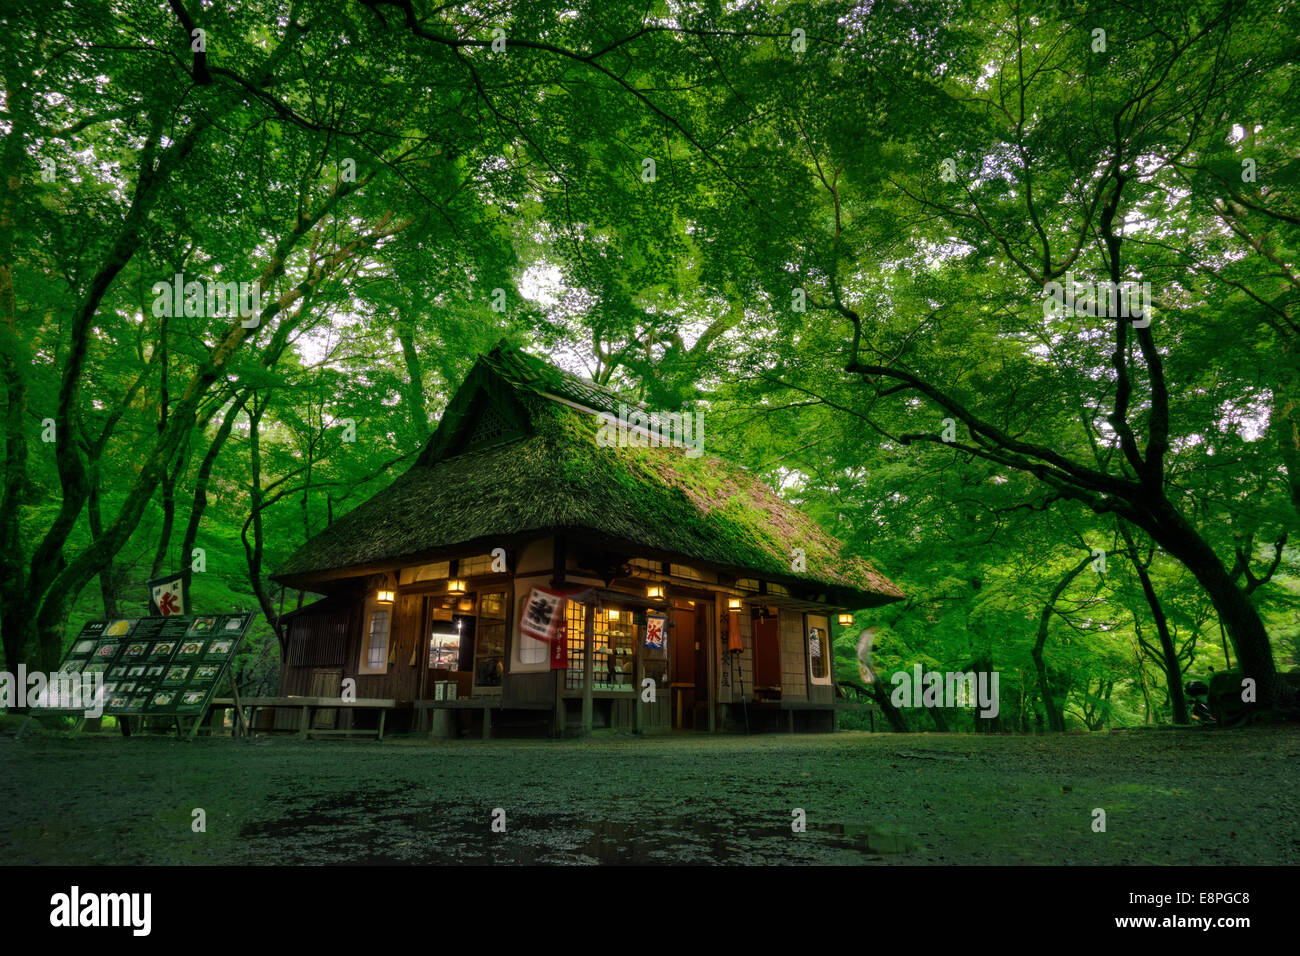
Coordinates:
[167,595]
[542,628]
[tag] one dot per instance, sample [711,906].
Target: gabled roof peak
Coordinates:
[527,371]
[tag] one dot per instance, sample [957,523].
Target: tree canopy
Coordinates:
[840,230]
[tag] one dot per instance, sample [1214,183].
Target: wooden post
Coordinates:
[588,668]
[558,561]
[240,721]
[560,714]
[638,675]
[711,664]
[487,723]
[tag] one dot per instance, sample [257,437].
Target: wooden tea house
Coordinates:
[537,573]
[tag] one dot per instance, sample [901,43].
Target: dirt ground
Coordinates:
[1170,797]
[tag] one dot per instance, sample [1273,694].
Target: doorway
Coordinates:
[690,667]
[767,658]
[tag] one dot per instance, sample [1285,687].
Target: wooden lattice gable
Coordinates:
[483,413]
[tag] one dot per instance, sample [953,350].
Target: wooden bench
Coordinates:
[440,726]
[307,705]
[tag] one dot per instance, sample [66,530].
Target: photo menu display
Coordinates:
[158,665]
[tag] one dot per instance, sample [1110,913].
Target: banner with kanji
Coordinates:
[542,629]
[167,595]
[656,632]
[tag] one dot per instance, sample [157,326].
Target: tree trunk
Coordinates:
[169,519]
[253,551]
[1173,673]
[108,573]
[1055,718]
[204,476]
[1238,615]
[892,713]
[415,373]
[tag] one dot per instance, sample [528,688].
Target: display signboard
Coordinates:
[165,666]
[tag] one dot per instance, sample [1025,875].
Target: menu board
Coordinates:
[158,665]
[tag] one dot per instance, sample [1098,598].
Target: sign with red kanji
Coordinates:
[167,595]
[542,629]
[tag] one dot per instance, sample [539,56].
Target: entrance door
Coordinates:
[767,659]
[684,654]
[690,668]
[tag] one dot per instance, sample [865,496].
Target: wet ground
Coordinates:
[1209,797]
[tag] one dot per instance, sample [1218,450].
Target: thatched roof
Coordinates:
[547,473]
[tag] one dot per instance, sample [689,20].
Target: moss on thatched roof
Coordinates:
[559,478]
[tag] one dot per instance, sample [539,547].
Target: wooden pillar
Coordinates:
[560,715]
[588,668]
[638,674]
[711,663]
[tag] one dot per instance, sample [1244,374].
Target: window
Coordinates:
[470,567]
[491,428]
[819,650]
[437,571]
[374,652]
[490,645]
[444,646]
[613,645]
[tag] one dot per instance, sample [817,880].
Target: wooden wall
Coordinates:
[317,638]
[737,669]
[325,640]
[794,650]
[405,646]
[823,693]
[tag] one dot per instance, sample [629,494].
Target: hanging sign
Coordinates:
[656,632]
[542,629]
[167,595]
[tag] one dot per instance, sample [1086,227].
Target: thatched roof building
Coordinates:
[524,485]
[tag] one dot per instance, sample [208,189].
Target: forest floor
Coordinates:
[1169,796]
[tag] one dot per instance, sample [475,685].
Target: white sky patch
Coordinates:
[542,283]
[315,344]
[1249,417]
[788,480]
